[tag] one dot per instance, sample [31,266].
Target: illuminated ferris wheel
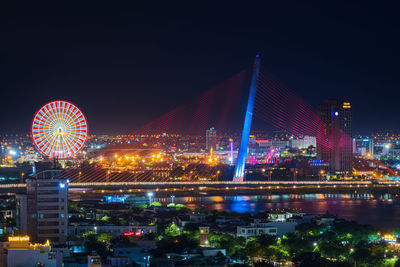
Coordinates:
[59,130]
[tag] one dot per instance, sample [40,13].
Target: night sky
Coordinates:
[126,64]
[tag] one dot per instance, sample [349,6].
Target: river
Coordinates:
[382,211]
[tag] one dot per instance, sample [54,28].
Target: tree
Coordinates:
[156,204]
[191,227]
[182,207]
[73,207]
[101,243]
[172,230]
[361,256]
[266,240]
[296,244]
[308,259]
[234,245]
[176,244]
[92,244]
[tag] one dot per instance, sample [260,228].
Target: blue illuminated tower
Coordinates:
[244,143]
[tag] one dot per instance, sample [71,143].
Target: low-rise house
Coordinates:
[258,228]
[119,261]
[255,230]
[283,215]
[138,252]
[283,227]
[301,219]
[197,217]
[113,230]
[18,251]
[325,219]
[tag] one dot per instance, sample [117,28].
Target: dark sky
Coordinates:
[126,64]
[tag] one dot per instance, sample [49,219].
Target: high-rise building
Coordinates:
[46,211]
[211,139]
[302,143]
[334,135]
[363,146]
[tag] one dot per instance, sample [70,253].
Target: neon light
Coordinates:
[241,163]
[129,234]
[231,158]
[346,105]
[18,238]
[132,234]
[59,130]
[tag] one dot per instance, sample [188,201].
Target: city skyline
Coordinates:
[114,80]
[199,134]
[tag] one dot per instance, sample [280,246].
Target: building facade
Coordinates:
[204,231]
[303,143]
[211,139]
[363,146]
[334,135]
[46,211]
[256,230]
[18,251]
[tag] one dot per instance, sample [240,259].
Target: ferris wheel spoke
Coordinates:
[79,135]
[63,110]
[43,116]
[72,139]
[76,138]
[80,125]
[66,111]
[70,144]
[49,113]
[72,114]
[67,146]
[55,110]
[41,121]
[73,144]
[42,136]
[61,147]
[49,145]
[43,139]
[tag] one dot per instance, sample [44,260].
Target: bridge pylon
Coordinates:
[244,143]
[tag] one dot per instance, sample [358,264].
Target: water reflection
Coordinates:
[380,210]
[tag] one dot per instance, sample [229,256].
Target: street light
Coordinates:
[172,199]
[150,195]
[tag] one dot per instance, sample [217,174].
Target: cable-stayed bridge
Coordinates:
[172,149]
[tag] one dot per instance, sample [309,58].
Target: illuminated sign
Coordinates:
[132,234]
[346,105]
[18,238]
[390,238]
